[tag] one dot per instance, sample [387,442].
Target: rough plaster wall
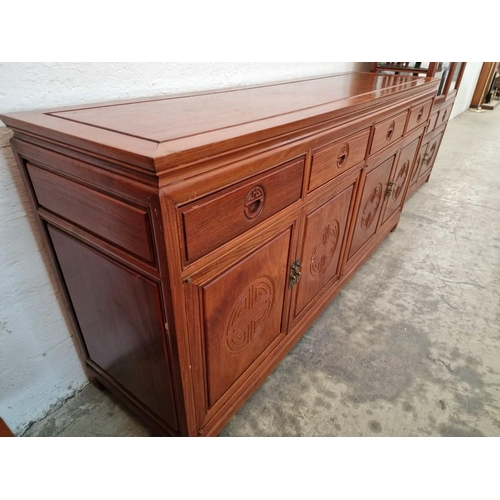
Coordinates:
[467,87]
[39,363]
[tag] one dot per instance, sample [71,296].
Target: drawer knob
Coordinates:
[390,131]
[343,155]
[420,114]
[254,202]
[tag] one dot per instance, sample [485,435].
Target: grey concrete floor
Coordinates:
[409,347]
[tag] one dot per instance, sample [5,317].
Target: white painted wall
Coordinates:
[39,364]
[467,87]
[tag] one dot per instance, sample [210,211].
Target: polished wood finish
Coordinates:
[372,200]
[213,220]
[197,237]
[4,430]
[388,131]
[400,178]
[323,240]
[333,159]
[242,311]
[109,218]
[440,109]
[122,335]
[418,115]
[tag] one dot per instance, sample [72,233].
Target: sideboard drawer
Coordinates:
[444,115]
[432,121]
[216,219]
[418,115]
[388,131]
[332,159]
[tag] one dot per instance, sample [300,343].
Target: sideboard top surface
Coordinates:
[153,130]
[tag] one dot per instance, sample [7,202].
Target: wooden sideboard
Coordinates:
[450,75]
[196,237]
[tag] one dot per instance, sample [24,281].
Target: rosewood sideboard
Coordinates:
[196,237]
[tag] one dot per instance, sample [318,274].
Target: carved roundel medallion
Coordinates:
[343,155]
[249,314]
[325,248]
[400,180]
[254,202]
[371,207]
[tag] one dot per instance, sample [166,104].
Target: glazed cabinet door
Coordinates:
[372,198]
[322,241]
[236,316]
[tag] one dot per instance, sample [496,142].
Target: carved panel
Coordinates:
[254,202]
[399,183]
[249,314]
[322,245]
[324,250]
[242,310]
[376,182]
[371,207]
[401,178]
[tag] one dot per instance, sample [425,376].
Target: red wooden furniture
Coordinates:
[450,75]
[197,237]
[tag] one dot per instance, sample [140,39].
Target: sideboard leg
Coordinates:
[97,384]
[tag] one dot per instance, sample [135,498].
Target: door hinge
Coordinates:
[294,273]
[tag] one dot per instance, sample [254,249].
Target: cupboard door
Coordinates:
[399,180]
[430,156]
[323,236]
[372,199]
[242,313]
[419,162]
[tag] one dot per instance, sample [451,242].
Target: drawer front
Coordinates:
[418,115]
[113,220]
[333,159]
[218,218]
[444,115]
[433,121]
[388,131]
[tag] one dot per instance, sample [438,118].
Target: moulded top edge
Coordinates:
[141,126]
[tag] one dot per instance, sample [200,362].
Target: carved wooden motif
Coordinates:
[249,314]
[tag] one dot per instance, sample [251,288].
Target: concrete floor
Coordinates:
[410,347]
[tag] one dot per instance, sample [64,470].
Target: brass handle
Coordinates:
[420,114]
[295,273]
[444,115]
[390,131]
